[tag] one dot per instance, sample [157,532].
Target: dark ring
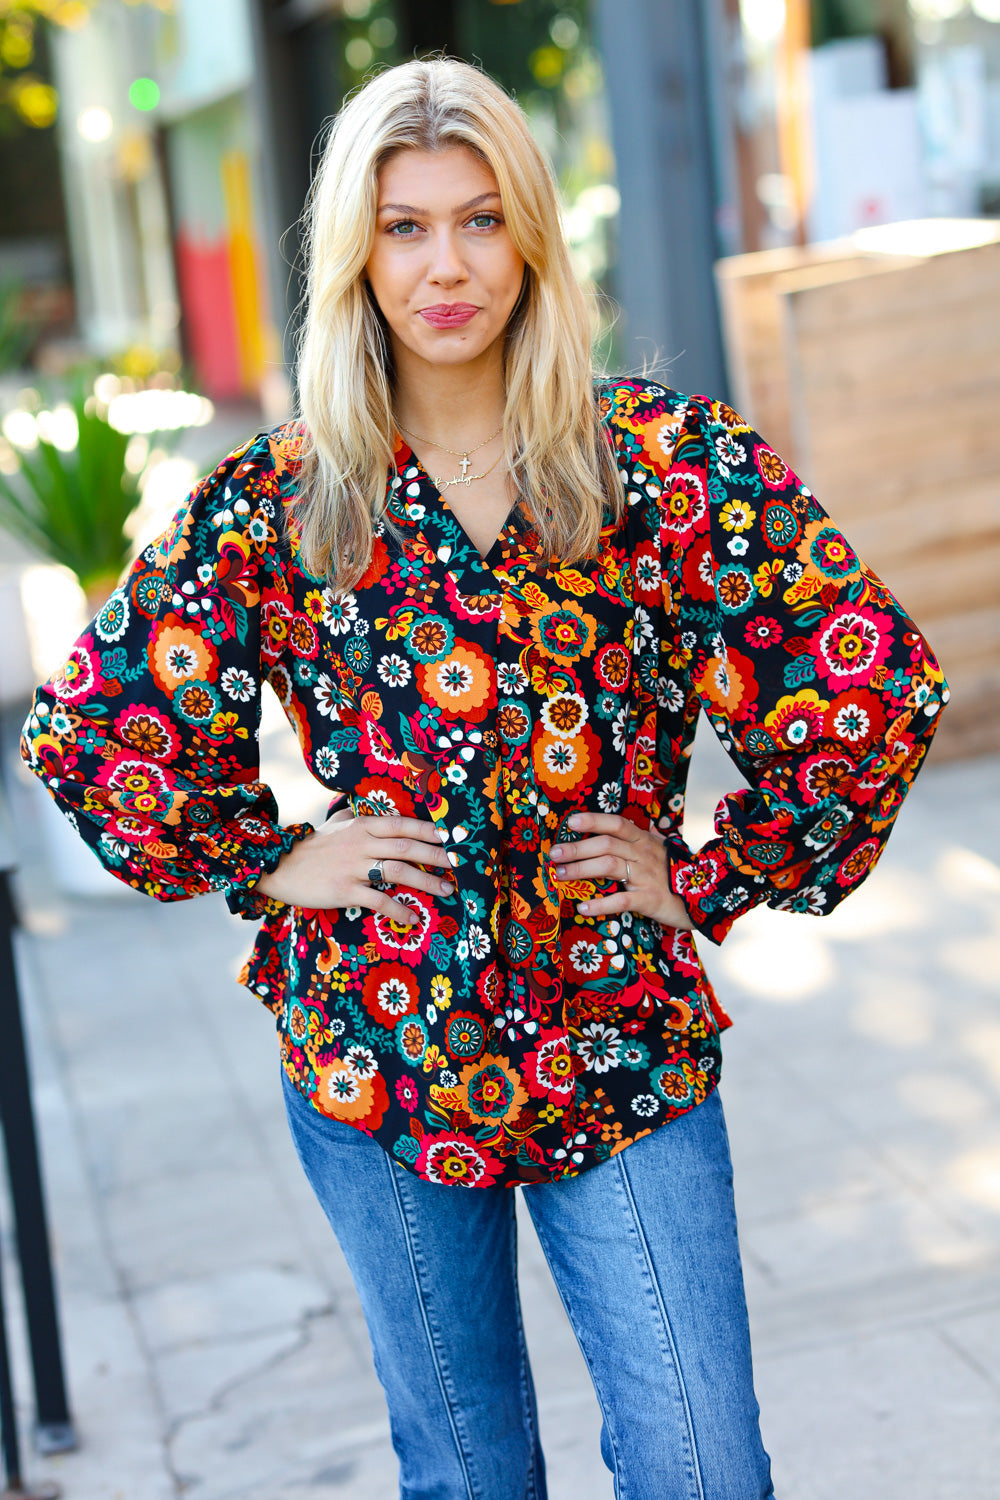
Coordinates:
[375,873]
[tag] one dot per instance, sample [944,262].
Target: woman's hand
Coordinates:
[330,867]
[635,857]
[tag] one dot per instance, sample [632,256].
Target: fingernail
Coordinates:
[555,851]
[561,871]
[447,887]
[574,821]
[584,906]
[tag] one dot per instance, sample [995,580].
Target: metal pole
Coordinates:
[8,1419]
[54,1429]
[658,60]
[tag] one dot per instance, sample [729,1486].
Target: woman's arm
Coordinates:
[147,736]
[820,687]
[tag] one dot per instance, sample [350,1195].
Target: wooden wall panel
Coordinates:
[882,378]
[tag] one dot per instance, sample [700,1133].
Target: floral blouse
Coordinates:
[505,1037]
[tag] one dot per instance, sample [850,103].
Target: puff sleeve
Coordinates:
[147,736]
[821,688]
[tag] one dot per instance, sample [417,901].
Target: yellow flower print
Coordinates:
[313,605]
[766,574]
[737,515]
[441,991]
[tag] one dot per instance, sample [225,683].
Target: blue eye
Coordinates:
[485,221]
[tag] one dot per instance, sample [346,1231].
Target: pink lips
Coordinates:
[448,314]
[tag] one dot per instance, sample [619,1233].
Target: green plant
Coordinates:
[17,332]
[72,502]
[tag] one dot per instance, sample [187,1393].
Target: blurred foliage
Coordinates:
[829,20]
[528,44]
[71,503]
[27,98]
[370,34]
[17,331]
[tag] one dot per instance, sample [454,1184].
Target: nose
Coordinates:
[447,268]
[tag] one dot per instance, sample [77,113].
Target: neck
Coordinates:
[458,405]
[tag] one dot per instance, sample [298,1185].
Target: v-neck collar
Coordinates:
[513,528]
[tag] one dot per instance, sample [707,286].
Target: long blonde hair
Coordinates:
[560,461]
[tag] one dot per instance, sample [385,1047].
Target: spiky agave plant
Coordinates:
[70,501]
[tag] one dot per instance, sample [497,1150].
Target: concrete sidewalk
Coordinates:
[214,1342]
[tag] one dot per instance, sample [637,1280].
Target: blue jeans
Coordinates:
[644,1253]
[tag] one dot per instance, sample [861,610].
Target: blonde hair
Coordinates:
[559,458]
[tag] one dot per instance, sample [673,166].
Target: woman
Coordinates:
[492,607]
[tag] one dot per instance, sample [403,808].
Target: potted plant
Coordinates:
[74,490]
[72,483]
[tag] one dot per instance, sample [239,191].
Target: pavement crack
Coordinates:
[300,1341]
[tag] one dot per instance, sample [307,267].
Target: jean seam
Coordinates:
[533,1435]
[668,1331]
[428,1331]
[564,1297]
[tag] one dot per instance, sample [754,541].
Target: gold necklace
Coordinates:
[444,484]
[463,454]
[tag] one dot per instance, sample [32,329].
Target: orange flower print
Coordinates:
[566,631]
[728,684]
[773,470]
[178,654]
[492,1089]
[462,682]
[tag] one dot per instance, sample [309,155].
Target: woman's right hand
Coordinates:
[329,868]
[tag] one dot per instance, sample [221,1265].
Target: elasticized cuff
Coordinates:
[713,893]
[242,896]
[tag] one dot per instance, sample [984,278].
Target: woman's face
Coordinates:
[443,268]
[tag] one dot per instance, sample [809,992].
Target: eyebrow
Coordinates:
[422,213]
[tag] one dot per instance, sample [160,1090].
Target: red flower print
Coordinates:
[548,1068]
[79,676]
[395,939]
[822,776]
[762,632]
[455,1160]
[390,991]
[683,505]
[850,646]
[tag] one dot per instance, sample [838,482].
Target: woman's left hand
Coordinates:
[635,857]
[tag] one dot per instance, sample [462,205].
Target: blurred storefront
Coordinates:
[188,130]
[861,112]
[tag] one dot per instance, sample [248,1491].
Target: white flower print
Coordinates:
[598,1046]
[395,671]
[669,694]
[609,797]
[339,612]
[479,943]
[327,695]
[512,679]
[327,762]
[237,683]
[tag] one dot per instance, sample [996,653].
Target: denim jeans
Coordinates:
[644,1253]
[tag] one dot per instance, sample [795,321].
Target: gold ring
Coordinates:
[628,874]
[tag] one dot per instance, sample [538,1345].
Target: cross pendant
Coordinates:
[466,461]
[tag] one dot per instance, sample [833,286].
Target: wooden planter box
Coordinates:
[878,376]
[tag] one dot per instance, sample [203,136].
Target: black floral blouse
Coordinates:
[505,1037]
